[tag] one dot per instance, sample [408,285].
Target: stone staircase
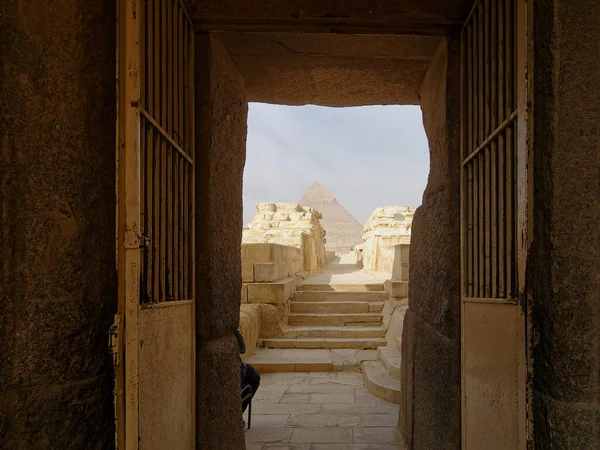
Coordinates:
[382,377]
[334,316]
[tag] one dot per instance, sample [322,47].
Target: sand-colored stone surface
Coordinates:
[386,237]
[321,411]
[288,225]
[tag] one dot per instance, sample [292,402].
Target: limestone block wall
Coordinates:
[387,228]
[291,225]
[397,287]
[269,262]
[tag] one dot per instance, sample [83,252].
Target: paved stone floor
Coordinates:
[320,411]
[310,360]
[342,270]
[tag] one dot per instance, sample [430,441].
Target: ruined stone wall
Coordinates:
[566,303]
[430,415]
[58,289]
[292,225]
[268,262]
[387,227]
[221,114]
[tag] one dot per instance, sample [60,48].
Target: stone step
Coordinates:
[319,343]
[334,296]
[310,360]
[336,307]
[391,358]
[380,382]
[334,332]
[336,320]
[363,287]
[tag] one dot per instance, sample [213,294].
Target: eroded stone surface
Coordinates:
[385,233]
[289,225]
[333,409]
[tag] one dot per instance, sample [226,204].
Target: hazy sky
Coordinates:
[367,157]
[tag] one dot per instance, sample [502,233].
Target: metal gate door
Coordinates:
[496,225]
[154,340]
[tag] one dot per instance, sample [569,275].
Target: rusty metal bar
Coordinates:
[192,177]
[480,69]
[492,136]
[494,150]
[181,162]
[509,156]
[481,229]
[165,135]
[169,157]
[476,261]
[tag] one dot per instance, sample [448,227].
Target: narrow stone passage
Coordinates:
[320,411]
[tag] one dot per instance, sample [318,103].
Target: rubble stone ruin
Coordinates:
[343,230]
[387,228]
[289,224]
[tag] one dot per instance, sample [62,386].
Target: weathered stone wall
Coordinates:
[58,289]
[221,112]
[387,227]
[269,262]
[282,244]
[396,306]
[566,304]
[430,409]
[292,225]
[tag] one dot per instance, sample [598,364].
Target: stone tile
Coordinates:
[287,408]
[355,376]
[295,398]
[269,420]
[387,435]
[347,354]
[287,378]
[272,354]
[373,446]
[255,445]
[289,375]
[388,408]
[316,389]
[345,408]
[334,435]
[272,387]
[274,366]
[321,375]
[313,355]
[268,396]
[326,420]
[366,355]
[268,434]
[381,420]
[365,396]
[332,398]
[286,447]
[314,366]
[360,389]
[337,381]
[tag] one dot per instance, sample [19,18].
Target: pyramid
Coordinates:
[343,230]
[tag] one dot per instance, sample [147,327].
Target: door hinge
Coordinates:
[115,340]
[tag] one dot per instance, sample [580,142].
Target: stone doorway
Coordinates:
[59,285]
[233,69]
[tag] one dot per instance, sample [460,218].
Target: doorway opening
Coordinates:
[327,344]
